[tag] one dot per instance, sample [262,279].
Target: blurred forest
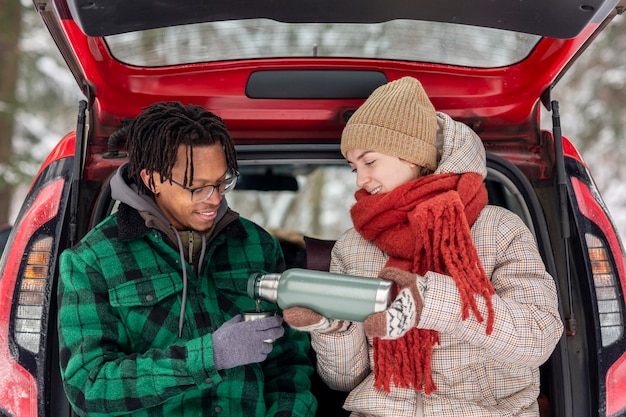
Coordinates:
[592,98]
[39,99]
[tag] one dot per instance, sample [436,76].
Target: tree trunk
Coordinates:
[10,26]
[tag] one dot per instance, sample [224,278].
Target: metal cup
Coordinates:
[251,315]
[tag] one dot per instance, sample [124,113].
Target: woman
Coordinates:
[476,314]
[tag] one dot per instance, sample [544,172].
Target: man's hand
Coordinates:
[403,313]
[239,342]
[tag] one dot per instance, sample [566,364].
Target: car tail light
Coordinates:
[24,298]
[31,297]
[607,291]
[608,265]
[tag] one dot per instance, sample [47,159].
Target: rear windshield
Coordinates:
[403,40]
[318,201]
[318,205]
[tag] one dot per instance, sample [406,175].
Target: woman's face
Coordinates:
[379,173]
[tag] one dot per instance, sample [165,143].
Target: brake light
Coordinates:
[607,292]
[18,387]
[32,295]
[609,273]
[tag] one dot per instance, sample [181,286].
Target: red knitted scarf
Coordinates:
[424,225]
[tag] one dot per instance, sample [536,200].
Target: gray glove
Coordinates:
[239,342]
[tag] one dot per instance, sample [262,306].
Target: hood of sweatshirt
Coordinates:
[127,192]
[460,148]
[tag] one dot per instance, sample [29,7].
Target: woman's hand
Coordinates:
[307,320]
[403,313]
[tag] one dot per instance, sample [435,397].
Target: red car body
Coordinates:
[281,112]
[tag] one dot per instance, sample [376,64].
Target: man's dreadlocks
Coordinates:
[158,131]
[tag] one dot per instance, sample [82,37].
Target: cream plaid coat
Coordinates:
[475,374]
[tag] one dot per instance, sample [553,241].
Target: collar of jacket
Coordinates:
[132,226]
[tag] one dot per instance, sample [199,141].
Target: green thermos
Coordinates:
[337,296]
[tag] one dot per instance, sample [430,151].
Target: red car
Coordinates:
[285,76]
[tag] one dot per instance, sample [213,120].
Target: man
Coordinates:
[150,299]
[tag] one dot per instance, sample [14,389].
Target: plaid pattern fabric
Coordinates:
[119,305]
[476,375]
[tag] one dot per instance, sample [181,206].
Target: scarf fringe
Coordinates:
[439,223]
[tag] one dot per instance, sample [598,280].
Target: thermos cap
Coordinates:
[252,285]
[264,287]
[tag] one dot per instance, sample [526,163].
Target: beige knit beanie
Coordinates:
[397,119]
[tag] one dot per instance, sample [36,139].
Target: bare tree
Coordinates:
[593,105]
[10,30]
[592,91]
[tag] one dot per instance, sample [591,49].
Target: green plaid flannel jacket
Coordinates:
[119,305]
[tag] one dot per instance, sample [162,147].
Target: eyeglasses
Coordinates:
[201,194]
